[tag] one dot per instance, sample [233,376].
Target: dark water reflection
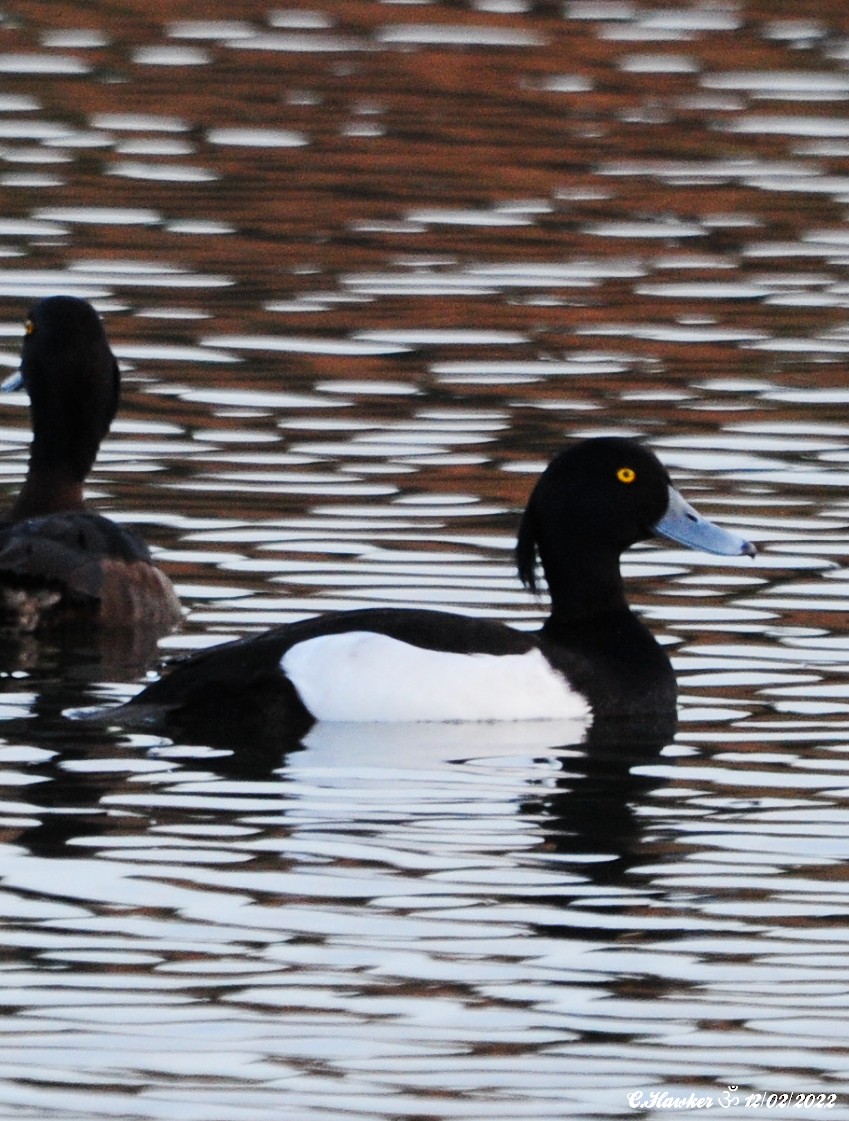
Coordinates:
[366,266]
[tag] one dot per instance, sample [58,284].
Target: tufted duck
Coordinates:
[592,659]
[61,566]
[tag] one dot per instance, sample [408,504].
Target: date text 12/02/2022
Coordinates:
[663,1099]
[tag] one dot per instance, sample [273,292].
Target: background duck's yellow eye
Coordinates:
[29,327]
[626,474]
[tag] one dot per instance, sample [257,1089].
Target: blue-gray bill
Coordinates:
[12,383]
[685,525]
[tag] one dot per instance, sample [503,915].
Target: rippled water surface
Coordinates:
[366,267]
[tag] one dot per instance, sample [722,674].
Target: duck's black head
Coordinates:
[73,383]
[597,497]
[591,503]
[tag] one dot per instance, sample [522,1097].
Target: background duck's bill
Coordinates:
[13,382]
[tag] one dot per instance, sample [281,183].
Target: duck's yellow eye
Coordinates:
[29,327]
[626,474]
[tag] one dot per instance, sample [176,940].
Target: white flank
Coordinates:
[365,676]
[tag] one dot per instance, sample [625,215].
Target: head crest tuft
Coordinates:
[526,548]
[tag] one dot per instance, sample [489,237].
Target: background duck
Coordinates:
[61,566]
[592,659]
